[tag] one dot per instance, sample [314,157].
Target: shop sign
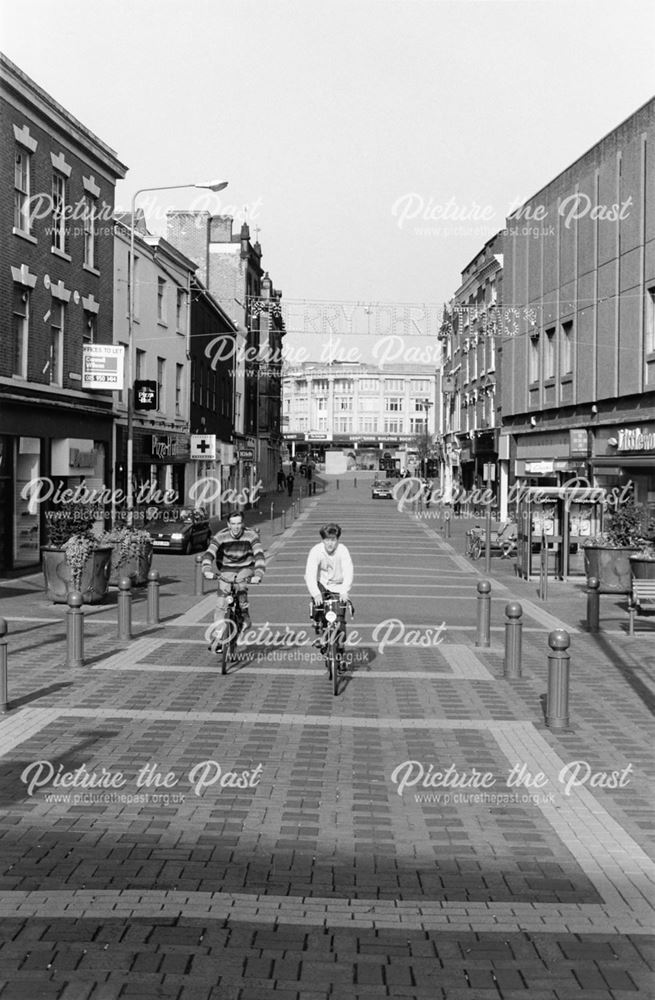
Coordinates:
[102,366]
[81,459]
[634,439]
[166,446]
[539,468]
[578,443]
[318,436]
[145,395]
[203,447]
[247,454]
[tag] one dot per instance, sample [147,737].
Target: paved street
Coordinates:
[169,832]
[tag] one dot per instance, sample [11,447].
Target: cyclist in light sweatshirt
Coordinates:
[329,570]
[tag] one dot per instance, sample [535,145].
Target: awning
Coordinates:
[625,461]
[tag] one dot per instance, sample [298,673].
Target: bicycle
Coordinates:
[474,542]
[333,638]
[225,644]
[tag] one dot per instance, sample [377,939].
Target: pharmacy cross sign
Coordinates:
[203,446]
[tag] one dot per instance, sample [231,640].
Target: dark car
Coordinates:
[381,490]
[179,529]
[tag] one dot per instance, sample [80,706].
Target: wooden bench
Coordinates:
[643,592]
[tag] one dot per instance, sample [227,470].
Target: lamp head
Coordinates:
[212,185]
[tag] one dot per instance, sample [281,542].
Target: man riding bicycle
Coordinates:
[329,572]
[239,557]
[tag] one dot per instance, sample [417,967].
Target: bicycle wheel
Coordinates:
[476,548]
[333,666]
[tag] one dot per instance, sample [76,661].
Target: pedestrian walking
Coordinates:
[281,480]
[293,466]
[290,484]
[309,473]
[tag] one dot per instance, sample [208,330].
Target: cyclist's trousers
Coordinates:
[242,578]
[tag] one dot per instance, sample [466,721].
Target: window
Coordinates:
[368,404]
[161,372]
[22,180]
[179,369]
[418,425]
[533,359]
[420,385]
[55,363]
[321,403]
[59,212]
[344,425]
[549,354]
[21,325]
[393,404]
[394,385]
[180,311]
[321,424]
[343,385]
[89,227]
[368,425]
[161,300]
[89,330]
[369,385]
[650,321]
[393,425]
[345,403]
[566,352]
[140,364]
[320,385]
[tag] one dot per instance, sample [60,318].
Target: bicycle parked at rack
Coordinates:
[502,542]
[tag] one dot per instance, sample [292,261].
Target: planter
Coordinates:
[136,568]
[95,575]
[610,566]
[642,569]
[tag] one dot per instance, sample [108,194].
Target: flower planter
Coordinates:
[642,569]
[136,567]
[58,574]
[611,567]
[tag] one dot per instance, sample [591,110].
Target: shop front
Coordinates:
[550,459]
[159,462]
[43,451]
[626,453]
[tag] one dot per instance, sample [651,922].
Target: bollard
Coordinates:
[272,531]
[74,630]
[593,604]
[198,580]
[483,637]
[284,520]
[299,503]
[124,608]
[4,702]
[337,484]
[513,630]
[355,482]
[557,705]
[153,597]
[447,524]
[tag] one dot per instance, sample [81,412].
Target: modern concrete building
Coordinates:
[578,325]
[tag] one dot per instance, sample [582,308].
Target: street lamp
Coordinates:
[210,186]
[425,405]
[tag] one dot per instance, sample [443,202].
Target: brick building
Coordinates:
[56,282]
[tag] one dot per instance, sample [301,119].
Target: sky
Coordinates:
[373,145]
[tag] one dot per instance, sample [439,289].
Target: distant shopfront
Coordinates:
[625,453]
[159,461]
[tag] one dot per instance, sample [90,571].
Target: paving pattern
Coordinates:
[166,831]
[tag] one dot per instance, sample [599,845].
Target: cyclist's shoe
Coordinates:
[320,643]
[216,641]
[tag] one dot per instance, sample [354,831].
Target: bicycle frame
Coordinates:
[232,627]
[334,635]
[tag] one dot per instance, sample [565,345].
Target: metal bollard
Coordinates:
[74,630]
[284,520]
[593,604]
[513,640]
[355,482]
[557,705]
[272,531]
[4,701]
[447,525]
[125,608]
[483,637]
[153,597]
[198,580]
[337,484]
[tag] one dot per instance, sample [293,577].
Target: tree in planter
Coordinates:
[607,555]
[625,526]
[131,547]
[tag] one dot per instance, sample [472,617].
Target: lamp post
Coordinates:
[210,186]
[425,405]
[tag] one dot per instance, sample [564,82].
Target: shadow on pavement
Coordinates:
[26,699]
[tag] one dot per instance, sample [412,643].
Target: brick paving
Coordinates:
[256,842]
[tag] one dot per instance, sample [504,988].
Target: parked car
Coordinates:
[178,529]
[381,490]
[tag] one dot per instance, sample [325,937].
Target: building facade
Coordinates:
[578,330]
[56,295]
[229,264]
[471,377]
[353,415]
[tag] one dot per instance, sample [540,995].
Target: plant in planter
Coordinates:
[131,553]
[74,559]
[607,555]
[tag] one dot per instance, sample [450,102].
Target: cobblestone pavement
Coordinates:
[169,832]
